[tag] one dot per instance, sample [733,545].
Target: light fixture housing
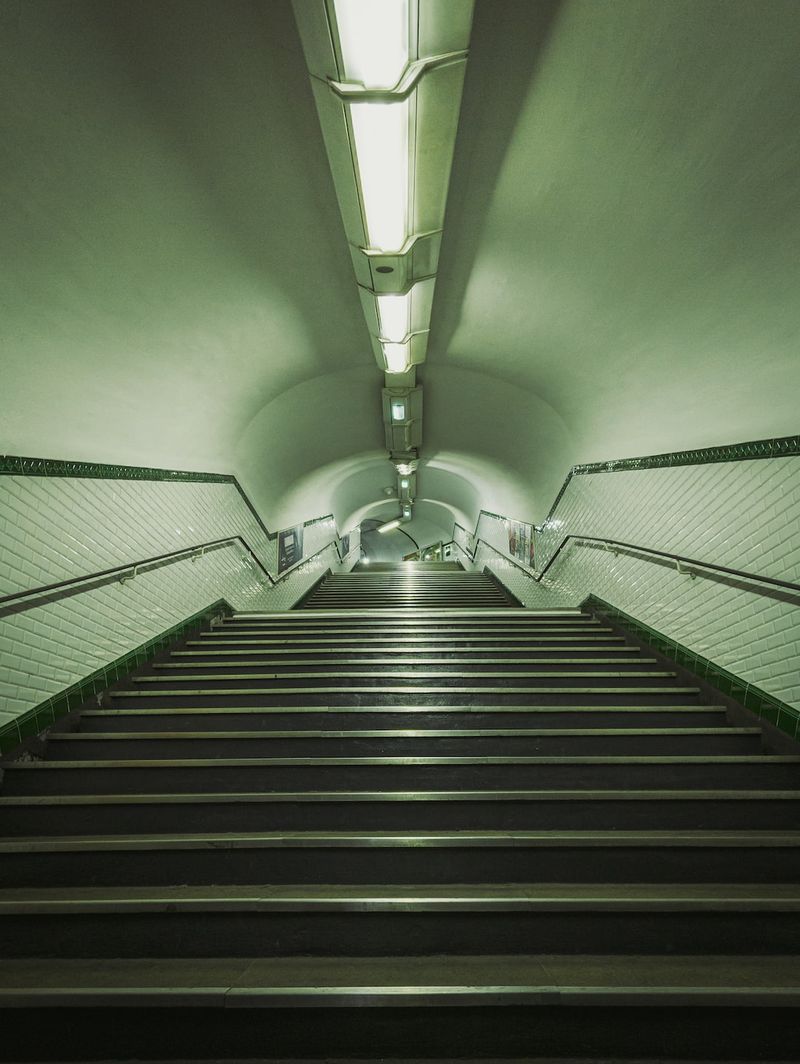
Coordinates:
[407,488]
[387,77]
[398,324]
[402,418]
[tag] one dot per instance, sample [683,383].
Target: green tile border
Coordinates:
[35,720]
[764,705]
[18,466]
[779,447]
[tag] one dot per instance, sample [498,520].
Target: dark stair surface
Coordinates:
[409,820]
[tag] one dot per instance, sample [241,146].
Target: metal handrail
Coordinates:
[683,564]
[129,570]
[680,560]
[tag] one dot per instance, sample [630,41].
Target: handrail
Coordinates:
[131,569]
[680,560]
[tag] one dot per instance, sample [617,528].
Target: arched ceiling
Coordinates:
[619,271]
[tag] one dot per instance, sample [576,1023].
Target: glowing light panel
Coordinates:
[396,357]
[393,316]
[380,132]
[373,35]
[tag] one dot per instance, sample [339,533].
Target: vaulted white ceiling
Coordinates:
[619,272]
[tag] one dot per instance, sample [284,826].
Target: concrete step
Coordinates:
[743,771]
[399,920]
[390,716]
[401,857]
[92,814]
[77,746]
[488,1007]
[408,694]
[388,667]
[407,655]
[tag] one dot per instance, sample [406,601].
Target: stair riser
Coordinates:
[371,598]
[235,657]
[77,749]
[417,865]
[395,696]
[379,625]
[317,777]
[386,673]
[466,601]
[499,1033]
[413,641]
[576,815]
[384,602]
[412,933]
[408,677]
[254,721]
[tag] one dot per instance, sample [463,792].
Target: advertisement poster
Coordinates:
[344,546]
[290,547]
[520,542]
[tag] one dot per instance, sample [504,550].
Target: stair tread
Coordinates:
[663,977]
[397,733]
[187,797]
[416,674]
[398,839]
[475,759]
[414,660]
[545,897]
[402,709]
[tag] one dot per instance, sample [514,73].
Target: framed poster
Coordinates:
[520,542]
[344,545]
[290,547]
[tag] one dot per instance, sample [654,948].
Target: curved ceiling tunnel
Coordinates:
[618,272]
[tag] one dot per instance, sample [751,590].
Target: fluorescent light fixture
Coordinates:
[389,525]
[373,35]
[403,468]
[380,132]
[398,409]
[394,313]
[396,357]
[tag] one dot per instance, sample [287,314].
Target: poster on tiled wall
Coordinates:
[520,542]
[290,547]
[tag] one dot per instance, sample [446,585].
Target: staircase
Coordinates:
[421,585]
[408,820]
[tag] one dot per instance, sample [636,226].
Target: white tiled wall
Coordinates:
[741,514]
[745,515]
[52,529]
[56,528]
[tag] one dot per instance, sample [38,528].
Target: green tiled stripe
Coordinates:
[14,465]
[46,713]
[17,466]
[780,447]
[772,709]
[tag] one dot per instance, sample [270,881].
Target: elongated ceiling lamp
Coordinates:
[387,78]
